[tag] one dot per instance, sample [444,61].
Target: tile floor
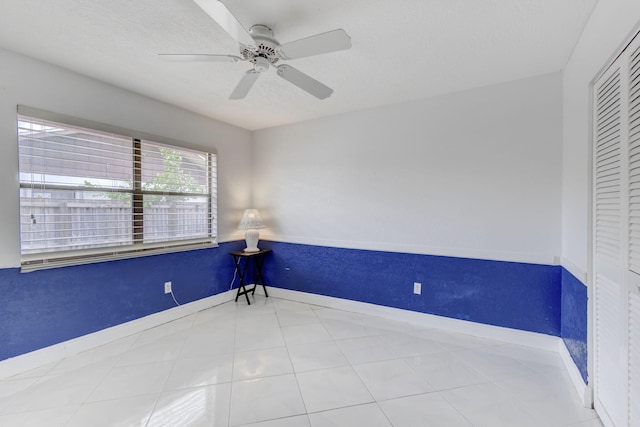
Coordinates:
[286,364]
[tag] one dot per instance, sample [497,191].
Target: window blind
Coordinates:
[89,195]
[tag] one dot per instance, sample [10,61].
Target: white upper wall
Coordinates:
[28,82]
[473,174]
[609,26]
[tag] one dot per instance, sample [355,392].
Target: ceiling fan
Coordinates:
[260,48]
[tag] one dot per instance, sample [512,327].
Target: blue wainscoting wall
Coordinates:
[514,295]
[574,320]
[46,307]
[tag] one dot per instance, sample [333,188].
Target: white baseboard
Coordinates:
[44,356]
[584,391]
[512,336]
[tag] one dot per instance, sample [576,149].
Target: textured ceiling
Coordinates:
[401,50]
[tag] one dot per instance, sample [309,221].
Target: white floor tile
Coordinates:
[316,355]
[261,363]
[391,379]
[56,417]
[156,351]
[265,399]
[221,317]
[536,387]
[200,406]
[424,410]
[53,391]
[560,410]
[258,320]
[387,325]
[454,341]
[541,361]
[445,370]
[200,371]
[295,421]
[109,354]
[369,415]
[341,329]
[590,423]
[259,305]
[170,329]
[290,318]
[332,388]
[305,333]
[366,349]
[14,386]
[287,305]
[210,342]
[130,411]
[254,337]
[35,373]
[132,380]
[487,405]
[404,345]
[493,365]
[325,313]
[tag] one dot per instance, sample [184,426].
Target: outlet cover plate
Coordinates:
[417,288]
[167,287]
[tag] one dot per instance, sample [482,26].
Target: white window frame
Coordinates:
[43,260]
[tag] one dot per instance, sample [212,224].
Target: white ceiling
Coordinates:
[401,50]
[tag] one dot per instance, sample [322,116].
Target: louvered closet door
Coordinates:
[609,378]
[616,257]
[633,312]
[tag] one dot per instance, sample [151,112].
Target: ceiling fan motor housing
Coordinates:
[264,53]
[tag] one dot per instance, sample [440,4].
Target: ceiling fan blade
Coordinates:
[245,85]
[331,41]
[197,57]
[304,82]
[223,16]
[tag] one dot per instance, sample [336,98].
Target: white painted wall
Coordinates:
[29,82]
[609,26]
[473,174]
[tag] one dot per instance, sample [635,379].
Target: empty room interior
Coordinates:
[445,194]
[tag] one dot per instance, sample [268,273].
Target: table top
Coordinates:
[250,254]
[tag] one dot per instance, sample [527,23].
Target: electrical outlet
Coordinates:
[417,288]
[167,287]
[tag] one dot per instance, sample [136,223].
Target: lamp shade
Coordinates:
[250,219]
[250,222]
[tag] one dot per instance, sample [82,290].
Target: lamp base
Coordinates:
[251,236]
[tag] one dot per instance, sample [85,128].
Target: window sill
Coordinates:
[66,259]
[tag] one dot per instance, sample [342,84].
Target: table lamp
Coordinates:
[250,222]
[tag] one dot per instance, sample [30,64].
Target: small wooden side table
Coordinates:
[242,260]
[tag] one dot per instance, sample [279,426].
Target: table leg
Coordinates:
[242,290]
[259,279]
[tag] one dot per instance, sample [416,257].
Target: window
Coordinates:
[90,192]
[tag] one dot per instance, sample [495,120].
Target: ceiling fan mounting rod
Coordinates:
[261,31]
